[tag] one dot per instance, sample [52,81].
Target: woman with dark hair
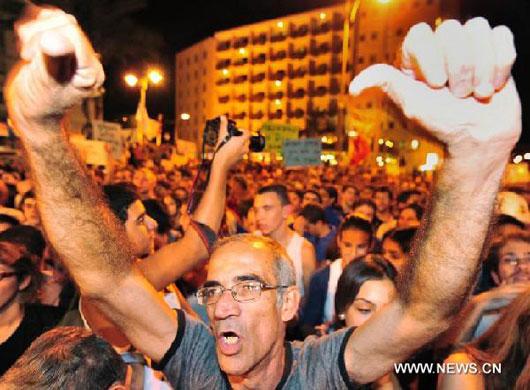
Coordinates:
[365,287]
[396,246]
[506,343]
[20,322]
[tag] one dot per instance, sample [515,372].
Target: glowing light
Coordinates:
[324,139]
[242,51]
[225,72]
[352,133]
[185,116]
[278,83]
[280,24]
[527,156]
[155,76]
[389,143]
[278,102]
[131,79]
[432,159]
[518,159]
[322,16]
[414,144]
[381,141]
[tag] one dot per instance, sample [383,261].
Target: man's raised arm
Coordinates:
[468,100]
[58,68]
[173,260]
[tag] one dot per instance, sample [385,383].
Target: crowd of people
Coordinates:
[109,280]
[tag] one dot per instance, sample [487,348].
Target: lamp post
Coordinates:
[154,77]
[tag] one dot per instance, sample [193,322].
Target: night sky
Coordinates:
[188,21]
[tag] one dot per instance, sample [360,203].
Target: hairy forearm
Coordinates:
[448,247]
[80,227]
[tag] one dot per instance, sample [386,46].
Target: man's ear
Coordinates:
[287,210]
[290,303]
[24,283]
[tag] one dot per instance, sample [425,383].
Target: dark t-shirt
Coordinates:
[316,363]
[37,320]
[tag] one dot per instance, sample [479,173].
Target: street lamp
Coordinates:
[153,76]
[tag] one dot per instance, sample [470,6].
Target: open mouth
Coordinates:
[230,338]
[229,343]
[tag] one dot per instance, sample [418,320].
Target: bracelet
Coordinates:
[206,233]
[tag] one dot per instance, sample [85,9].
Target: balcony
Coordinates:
[222,81]
[240,79]
[279,75]
[259,59]
[224,99]
[276,114]
[301,31]
[259,39]
[317,70]
[223,45]
[297,54]
[257,98]
[320,28]
[239,115]
[241,42]
[279,55]
[241,98]
[297,73]
[221,64]
[258,78]
[276,95]
[241,61]
[297,93]
[256,115]
[278,36]
[317,91]
[297,114]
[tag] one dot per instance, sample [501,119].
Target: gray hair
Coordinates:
[283,265]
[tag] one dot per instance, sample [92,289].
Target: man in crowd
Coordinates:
[478,118]
[347,199]
[321,233]
[272,209]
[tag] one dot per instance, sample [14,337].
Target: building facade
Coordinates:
[289,70]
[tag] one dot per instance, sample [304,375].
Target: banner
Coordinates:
[112,134]
[276,133]
[91,152]
[302,153]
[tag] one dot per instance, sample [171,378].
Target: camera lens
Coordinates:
[257,143]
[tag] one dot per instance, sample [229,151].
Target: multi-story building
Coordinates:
[289,70]
[195,89]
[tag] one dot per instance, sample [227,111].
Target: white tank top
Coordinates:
[294,250]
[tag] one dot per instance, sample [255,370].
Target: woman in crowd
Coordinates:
[354,239]
[506,343]
[365,287]
[396,246]
[20,322]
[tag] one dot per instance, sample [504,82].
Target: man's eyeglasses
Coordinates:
[241,292]
[514,261]
[4,275]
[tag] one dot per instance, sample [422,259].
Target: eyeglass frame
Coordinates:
[5,275]
[263,287]
[514,261]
